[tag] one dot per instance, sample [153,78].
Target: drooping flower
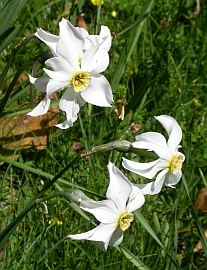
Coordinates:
[115,213]
[169,163]
[76,66]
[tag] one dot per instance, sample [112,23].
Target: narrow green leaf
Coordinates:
[132,258]
[9,13]
[147,227]
[9,38]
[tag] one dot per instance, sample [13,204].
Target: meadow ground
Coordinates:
[158,65]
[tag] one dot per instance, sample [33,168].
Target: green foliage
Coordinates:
[158,66]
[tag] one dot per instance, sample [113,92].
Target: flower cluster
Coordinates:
[78,59]
[123,197]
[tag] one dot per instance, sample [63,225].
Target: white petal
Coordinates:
[88,44]
[153,188]
[55,86]
[60,64]
[153,141]
[65,125]
[147,170]
[95,60]
[80,100]
[82,235]
[41,108]
[146,189]
[136,199]
[49,39]
[116,238]
[101,233]
[119,187]
[82,31]
[103,39]
[173,129]
[172,179]
[159,181]
[94,40]
[69,105]
[70,43]
[40,83]
[59,75]
[104,211]
[99,92]
[105,34]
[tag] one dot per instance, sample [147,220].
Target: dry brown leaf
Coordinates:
[76,146]
[80,22]
[199,245]
[24,131]
[200,204]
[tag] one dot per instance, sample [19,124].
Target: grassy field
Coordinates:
[158,65]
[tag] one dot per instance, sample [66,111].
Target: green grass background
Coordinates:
[158,65]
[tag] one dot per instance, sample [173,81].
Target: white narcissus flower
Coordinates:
[115,213]
[103,39]
[170,161]
[75,69]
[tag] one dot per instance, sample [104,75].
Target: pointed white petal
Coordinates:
[173,129]
[59,76]
[65,125]
[40,83]
[153,188]
[147,170]
[94,40]
[81,236]
[49,39]
[60,64]
[80,100]
[104,211]
[153,141]
[103,39]
[105,34]
[159,181]
[119,187]
[68,104]
[99,92]
[95,60]
[41,108]
[103,246]
[70,43]
[55,86]
[172,179]
[116,238]
[136,199]
[101,233]
[146,189]
[82,31]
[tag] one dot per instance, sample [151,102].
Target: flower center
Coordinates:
[80,80]
[176,164]
[124,221]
